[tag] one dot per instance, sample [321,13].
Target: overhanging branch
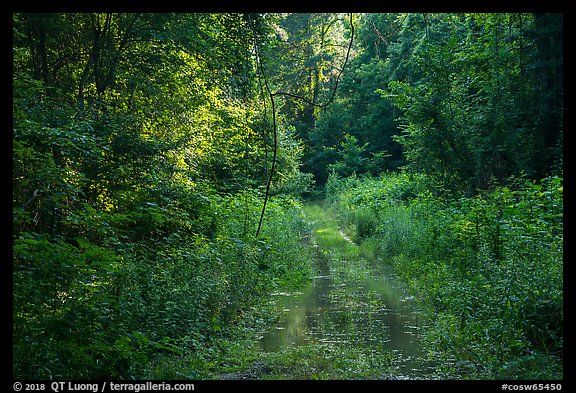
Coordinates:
[286,94]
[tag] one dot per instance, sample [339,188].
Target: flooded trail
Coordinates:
[353,304]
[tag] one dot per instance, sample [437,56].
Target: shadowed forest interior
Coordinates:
[287,196]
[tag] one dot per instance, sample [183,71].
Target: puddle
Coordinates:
[342,309]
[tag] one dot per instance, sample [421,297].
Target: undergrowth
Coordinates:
[169,309]
[486,268]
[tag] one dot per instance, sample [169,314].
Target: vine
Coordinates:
[272,95]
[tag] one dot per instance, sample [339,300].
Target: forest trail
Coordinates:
[159,161]
[352,322]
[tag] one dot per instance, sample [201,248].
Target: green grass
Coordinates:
[327,234]
[346,357]
[319,360]
[485,270]
[326,361]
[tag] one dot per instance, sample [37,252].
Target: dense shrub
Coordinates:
[487,268]
[86,311]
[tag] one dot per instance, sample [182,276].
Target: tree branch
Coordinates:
[272,95]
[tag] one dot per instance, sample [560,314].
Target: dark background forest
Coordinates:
[161,160]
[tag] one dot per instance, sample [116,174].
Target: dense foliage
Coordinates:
[147,151]
[474,221]
[469,107]
[138,164]
[487,269]
[463,98]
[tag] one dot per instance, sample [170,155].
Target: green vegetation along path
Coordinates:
[352,322]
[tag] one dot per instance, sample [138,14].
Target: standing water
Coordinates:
[351,303]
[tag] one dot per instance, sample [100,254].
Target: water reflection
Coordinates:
[372,312]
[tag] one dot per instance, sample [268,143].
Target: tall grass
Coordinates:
[487,268]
